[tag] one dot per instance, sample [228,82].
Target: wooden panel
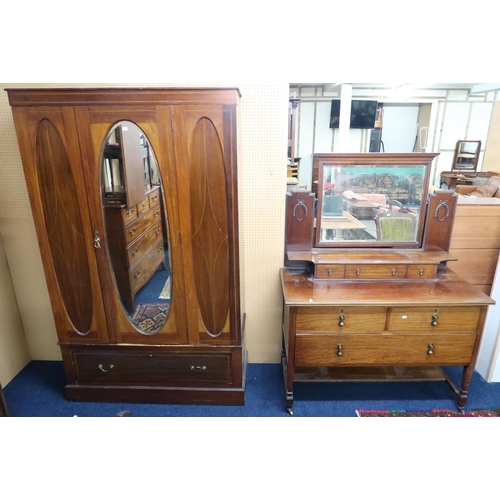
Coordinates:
[209,226]
[327,319]
[419,319]
[475,262]
[376,271]
[133,164]
[138,249]
[380,350]
[135,229]
[64,225]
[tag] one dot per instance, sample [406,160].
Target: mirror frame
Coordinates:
[373,159]
[473,165]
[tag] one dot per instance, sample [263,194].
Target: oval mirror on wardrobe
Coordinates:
[136,226]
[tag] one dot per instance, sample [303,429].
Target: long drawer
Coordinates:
[136,228]
[140,274]
[141,245]
[152,368]
[383,349]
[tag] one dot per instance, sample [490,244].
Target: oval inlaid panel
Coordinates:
[209,226]
[64,225]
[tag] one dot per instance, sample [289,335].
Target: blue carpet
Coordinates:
[38,391]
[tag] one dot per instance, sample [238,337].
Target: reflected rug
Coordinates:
[151,317]
[432,413]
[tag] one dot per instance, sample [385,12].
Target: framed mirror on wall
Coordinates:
[372,200]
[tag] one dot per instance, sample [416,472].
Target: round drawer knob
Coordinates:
[339,350]
[341,320]
[434,320]
[430,349]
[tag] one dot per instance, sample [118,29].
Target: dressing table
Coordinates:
[358,307]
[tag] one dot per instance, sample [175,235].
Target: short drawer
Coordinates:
[341,319]
[148,368]
[325,271]
[383,350]
[154,198]
[419,319]
[375,271]
[143,206]
[426,271]
[140,246]
[129,214]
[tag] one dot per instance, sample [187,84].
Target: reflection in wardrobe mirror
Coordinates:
[136,226]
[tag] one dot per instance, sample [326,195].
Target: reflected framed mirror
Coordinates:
[371,200]
[136,226]
[466,156]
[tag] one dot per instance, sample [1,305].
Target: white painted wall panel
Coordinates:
[479,122]
[323,133]
[454,124]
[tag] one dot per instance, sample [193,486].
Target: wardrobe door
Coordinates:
[50,153]
[206,168]
[133,234]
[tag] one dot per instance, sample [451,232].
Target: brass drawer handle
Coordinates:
[341,320]
[421,272]
[434,320]
[143,205]
[339,350]
[104,370]
[130,211]
[160,249]
[156,214]
[430,349]
[198,368]
[133,231]
[393,272]
[97,240]
[329,271]
[358,272]
[135,252]
[158,231]
[137,275]
[154,198]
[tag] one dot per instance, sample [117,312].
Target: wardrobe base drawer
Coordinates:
[151,368]
[383,349]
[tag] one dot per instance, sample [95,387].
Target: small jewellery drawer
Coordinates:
[340,319]
[426,271]
[326,271]
[383,350]
[375,271]
[148,368]
[428,319]
[137,250]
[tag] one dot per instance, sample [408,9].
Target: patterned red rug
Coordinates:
[432,413]
[151,317]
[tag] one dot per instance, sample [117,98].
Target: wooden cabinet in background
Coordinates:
[122,181]
[475,241]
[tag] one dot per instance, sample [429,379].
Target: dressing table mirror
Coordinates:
[364,202]
[466,156]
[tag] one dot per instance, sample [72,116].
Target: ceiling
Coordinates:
[474,88]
